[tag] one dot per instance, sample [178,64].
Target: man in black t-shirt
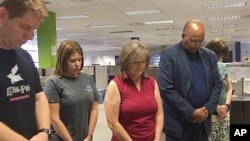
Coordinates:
[24,111]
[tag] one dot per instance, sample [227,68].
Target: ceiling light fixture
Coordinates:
[100,26]
[94,38]
[114,41]
[159,29]
[76,34]
[125,31]
[245,16]
[224,5]
[60,40]
[159,22]
[223,18]
[141,12]
[172,27]
[72,17]
[58,28]
[159,34]
[222,26]
[221,30]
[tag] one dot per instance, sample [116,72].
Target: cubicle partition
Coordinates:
[240,105]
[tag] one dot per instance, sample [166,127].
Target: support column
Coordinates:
[237,51]
[47,42]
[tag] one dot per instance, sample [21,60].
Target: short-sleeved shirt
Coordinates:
[75,96]
[223,73]
[19,84]
[137,108]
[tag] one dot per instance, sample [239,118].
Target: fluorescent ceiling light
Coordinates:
[159,22]
[140,12]
[100,26]
[124,31]
[245,16]
[163,34]
[76,34]
[97,38]
[60,40]
[223,25]
[223,18]
[241,30]
[72,17]
[115,41]
[170,28]
[218,31]
[224,5]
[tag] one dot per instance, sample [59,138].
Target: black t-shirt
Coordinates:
[19,82]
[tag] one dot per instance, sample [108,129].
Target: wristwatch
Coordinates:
[46,130]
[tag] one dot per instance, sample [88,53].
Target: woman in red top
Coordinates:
[132,102]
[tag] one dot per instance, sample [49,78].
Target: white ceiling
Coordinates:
[103,12]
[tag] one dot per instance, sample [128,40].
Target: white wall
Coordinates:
[107,57]
[101,77]
[245,50]
[102,60]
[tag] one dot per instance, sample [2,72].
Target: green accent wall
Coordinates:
[47,42]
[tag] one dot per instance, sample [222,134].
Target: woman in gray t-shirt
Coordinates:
[72,96]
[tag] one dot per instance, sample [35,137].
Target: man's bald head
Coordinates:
[194,27]
[193,35]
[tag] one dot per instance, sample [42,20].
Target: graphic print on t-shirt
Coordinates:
[16,92]
[13,76]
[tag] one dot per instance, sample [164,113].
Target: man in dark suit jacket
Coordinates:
[190,86]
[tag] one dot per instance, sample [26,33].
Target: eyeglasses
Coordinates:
[194,43]
[140,62]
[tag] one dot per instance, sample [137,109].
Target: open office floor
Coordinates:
[102,132]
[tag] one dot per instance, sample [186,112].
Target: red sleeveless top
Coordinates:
[137,108]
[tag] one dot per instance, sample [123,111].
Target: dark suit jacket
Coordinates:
[175,81]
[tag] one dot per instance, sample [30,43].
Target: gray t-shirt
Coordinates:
[75,96]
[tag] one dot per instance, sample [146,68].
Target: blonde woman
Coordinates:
[132,102]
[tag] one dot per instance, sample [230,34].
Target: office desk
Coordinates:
[240,110]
